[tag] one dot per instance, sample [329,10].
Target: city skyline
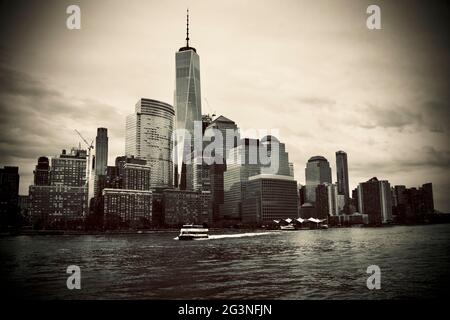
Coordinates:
[389,159]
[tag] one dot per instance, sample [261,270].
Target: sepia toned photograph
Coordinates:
[201,151]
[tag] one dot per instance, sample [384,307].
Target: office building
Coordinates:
[187,206]
[42,172]
[125,208]
[9,194]
[229,132]
[242,163]
[325,203]
[275,151]
[63,203]
[101,151]
[136,177]
[230,137]
[24,205]
[291,169]
[249,158]
[317,172]
[268,197]
[58,206]
[412,205]
[69,169]
[187,105]
[375,200]
[342,174]
[149,137]
[101,157]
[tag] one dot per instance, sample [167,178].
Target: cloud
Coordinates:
[315,101]
[431,115]
[36,119]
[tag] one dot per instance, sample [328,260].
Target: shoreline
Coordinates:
[163,230]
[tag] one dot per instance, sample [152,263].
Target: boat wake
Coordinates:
[238,235]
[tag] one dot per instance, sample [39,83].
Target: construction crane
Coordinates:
[88,173]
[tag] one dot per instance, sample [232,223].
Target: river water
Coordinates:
[307,264]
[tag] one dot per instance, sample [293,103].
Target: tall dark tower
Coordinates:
[42,172]
[101,160]
[101,151]
[342,174]
[187,104]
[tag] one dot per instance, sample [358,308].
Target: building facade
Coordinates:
[69,169]
[187,206]
[188,105]
[9,194]
[317,172]
[149,137]
[342,174]
[101,151]
[269,197]
[291,169]
[63,203]
[375,200]
[229,133]
[249,158]
[412,205]
[125,208]
[42,172]
[58,206]
[242,163]
[230,138]
[101,158]
[136,177]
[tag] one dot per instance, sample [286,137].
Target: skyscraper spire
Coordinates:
[187,47]
[187,29]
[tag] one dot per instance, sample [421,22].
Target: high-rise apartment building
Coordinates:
[63,202]
[69,169]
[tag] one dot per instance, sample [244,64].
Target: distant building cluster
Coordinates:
[162,181]
[59,197]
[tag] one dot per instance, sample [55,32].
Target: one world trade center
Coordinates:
[187,105]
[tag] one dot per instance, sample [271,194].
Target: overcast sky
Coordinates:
[311,69]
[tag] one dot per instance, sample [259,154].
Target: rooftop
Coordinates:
[317,158]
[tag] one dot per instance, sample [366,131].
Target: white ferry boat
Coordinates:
[192,232]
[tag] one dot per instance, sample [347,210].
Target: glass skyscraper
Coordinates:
[187,103]
[317,172]
[149,137]
[243,162]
